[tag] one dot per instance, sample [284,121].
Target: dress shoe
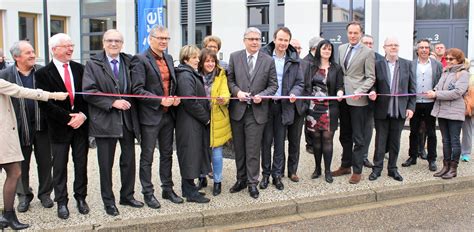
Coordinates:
[132,202]
[216,190]
[368,164]
[111,210]
[198,198]
[264,183]
[355,178]
[278,184]
[82,206]
[238,186]
[202,183]
[253,191]
[395,175]
[410,161]
[328,177]
[47,202]
[374,175]
[152,202]
[294,178]
[432,166]
[316,174]
[309,149]
[24,205]
[423,155]
[341,171]
[9,219]
[63,211]
[172,196]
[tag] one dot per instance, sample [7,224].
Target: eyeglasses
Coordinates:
[117,41]
[423,47]
[66,46]
[161,38]
[450,58]
[253,39]
[392,45]
[297,48]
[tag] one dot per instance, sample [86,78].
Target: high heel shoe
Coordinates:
[9,219]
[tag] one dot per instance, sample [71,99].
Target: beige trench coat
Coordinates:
[10,150]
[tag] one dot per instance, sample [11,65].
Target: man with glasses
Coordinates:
[115,118]
[251,74]
[67,123]
[427,71]
[153,74]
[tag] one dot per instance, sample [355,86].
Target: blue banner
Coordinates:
[149,14]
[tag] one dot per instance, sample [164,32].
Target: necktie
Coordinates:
[250,63]
[67,83]
[115,69]
[348,56]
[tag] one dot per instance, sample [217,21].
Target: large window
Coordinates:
[28,29]
[97,16]
[441,9]
[203,20]
[259,16]
[343,11]
[58,25]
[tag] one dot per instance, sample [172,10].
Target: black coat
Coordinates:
[292,83]
[49,79]
[107,121]
[192,119]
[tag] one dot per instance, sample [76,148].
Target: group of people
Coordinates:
[192,103]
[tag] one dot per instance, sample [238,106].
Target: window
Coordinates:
[343,11]
[58,25]
[1,31]
[203,21]
[259,16]
[28,29]
[442,9]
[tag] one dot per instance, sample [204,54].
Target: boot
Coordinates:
[9,219]
[217,189]
[453,170]
[444,170]
[202,183]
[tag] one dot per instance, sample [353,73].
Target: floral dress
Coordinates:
[318,113]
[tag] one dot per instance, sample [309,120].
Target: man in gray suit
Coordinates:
[394,75]
[427,71]
[251,74]
[358,64]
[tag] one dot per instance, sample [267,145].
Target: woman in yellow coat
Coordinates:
[215,83]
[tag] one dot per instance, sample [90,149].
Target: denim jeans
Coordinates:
[451,133]
[217,163]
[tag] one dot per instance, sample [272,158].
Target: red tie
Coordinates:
[67,83]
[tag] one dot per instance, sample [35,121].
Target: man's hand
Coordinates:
[243,96]
[372,95]
[340,93]
[220,101]
[167,101]
[121,104]
[77,119]
[257,99]
[176,101]
[292,98]
[409,114]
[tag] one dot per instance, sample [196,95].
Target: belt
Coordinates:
[277,101]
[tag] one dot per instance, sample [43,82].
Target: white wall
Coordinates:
[174,28]
[302,17]
[397,19]
[470,43]
[126,24]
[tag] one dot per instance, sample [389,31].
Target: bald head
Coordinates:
[297,45]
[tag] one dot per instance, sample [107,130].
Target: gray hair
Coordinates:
[15,49]
[252,29]
[367,36]
[157,28]
[313,42]
[57,39]
[112,31]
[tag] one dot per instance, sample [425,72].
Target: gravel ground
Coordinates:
[41,218]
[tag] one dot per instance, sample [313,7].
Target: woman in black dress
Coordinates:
[321,121]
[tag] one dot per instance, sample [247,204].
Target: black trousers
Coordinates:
[164,133]
[247,138]
[369,128]
[451,133]
[80,147]
[294,139]
[353,124]
[44,162]
[274,133]
[105,156]
[423,113]
[388,133]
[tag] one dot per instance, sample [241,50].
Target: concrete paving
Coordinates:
[308,195]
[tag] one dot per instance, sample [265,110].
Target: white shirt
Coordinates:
[254,57]
[59,66]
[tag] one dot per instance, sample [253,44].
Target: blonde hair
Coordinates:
[187,52]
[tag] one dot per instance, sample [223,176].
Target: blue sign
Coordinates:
[150,13]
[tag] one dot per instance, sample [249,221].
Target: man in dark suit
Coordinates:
[153,75]
[66,122]
[115,118]
[393,76]
[282,111]
[358,64]
[427,72]
[32,128]
[251,75]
